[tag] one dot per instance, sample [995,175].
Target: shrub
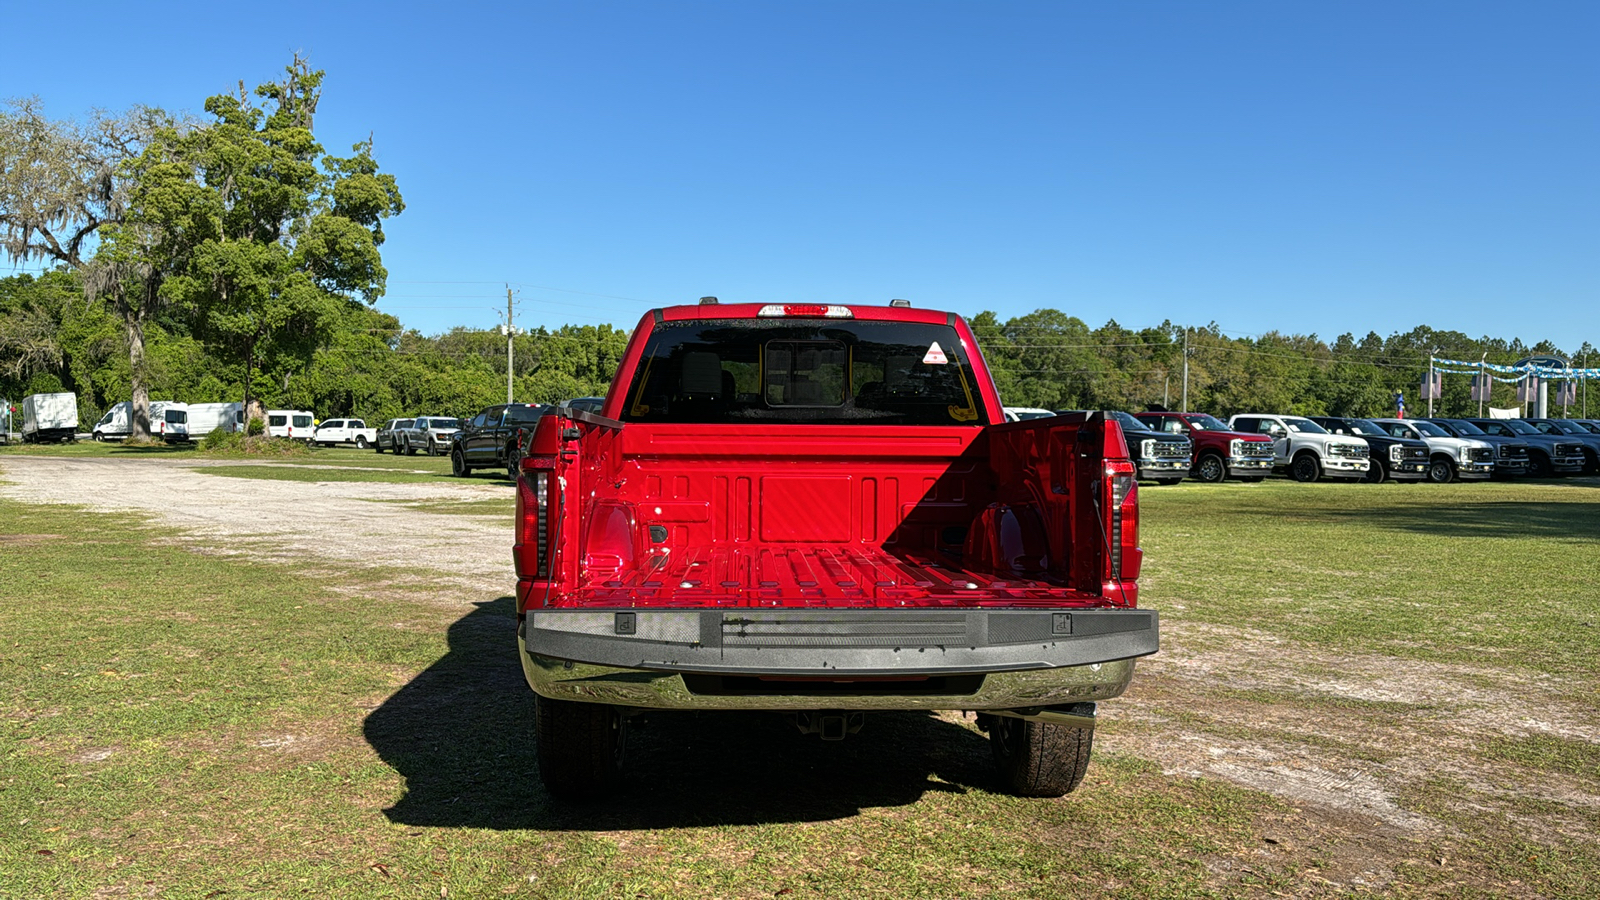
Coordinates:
[255,427]
[232,443]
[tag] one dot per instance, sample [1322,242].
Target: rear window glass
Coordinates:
[176,417]
[804,371]
[525,414]
[302,421]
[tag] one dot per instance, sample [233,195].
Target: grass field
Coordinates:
[180,725]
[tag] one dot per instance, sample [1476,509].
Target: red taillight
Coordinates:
[1119,493]
[533,525]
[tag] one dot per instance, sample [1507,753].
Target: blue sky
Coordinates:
[1300,167]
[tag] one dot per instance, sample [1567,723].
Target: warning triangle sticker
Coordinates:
[935,356]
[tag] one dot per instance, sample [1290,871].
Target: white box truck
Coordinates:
[169,421]
[49,417]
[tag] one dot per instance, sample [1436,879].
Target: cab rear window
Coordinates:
[804,371]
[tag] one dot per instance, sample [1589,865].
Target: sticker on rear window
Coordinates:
[935,356]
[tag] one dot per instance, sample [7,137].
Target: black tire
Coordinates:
[514,461]
[1376,474]
[580,747]
[361,442]
[1540,465]
[1037,759]
[1441,470]
[410,450]
[1211,469]
[458,464]
[99,438]
[1305,468]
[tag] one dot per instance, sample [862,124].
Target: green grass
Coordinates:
[97,448]
[178,724]
[182,725]
[1503,573]
[1552,753]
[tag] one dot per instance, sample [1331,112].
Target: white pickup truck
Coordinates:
[1306,450]
[344,431]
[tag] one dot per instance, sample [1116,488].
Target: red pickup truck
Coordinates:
[821,510]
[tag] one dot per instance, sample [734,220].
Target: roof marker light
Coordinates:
[778,310]
[708,301]
[900,303]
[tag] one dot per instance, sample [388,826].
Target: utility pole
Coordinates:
[510,331]
[1185,368]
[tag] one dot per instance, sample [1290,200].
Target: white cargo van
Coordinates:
[49,417]
[205,418]
[169,421]
[295,424]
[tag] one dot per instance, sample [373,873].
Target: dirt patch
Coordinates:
[288,521]
[1265,713]
[28,538]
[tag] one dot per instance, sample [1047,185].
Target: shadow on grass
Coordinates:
[461,733]
[1507,519]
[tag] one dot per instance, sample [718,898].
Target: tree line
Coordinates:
[365,363]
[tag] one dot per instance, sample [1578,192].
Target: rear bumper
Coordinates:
[840,659]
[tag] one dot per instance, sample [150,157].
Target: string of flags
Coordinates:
[1527,377]
[1471,368]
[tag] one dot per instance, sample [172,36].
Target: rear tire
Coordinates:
[1306,468]
[361,442]
[514,461]
[580,747]
[1441,471]
[1211,469]
[1038,759]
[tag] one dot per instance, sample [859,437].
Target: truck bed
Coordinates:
[847,517]
[820,575]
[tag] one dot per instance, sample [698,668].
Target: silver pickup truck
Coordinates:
[427,433]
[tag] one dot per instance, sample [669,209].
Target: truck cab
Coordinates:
[820,510]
